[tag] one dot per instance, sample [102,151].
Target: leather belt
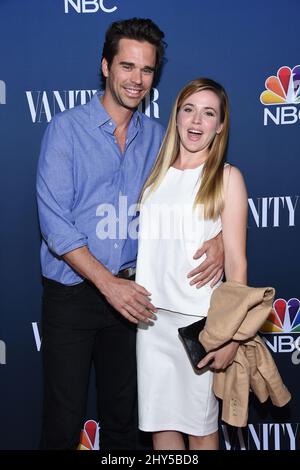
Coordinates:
[126,273]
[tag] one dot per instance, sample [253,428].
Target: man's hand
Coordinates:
[127,297]
[211,269]
[221,358]
[130,299]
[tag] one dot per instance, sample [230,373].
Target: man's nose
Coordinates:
[136,76]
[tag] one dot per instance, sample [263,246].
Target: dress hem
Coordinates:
[177,428]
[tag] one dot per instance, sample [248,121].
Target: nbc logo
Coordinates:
[284,318]
[283,89]
[89,6]
[89,438]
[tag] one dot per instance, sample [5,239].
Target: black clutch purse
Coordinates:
[190,338]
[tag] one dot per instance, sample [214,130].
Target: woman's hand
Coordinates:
[220,358]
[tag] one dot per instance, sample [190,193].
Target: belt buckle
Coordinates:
[126,273]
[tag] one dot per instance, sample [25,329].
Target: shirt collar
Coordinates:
[99,115]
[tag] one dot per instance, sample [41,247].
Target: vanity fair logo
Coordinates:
[90,6]
[262,436]
[281,90]
[274,211]
[149,105]
[2,92]
[43,105]
[2,352]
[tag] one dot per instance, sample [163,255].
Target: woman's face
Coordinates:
[198,121]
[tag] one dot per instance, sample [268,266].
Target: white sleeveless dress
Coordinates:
[171,395]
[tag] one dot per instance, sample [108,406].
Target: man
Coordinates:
[92,156]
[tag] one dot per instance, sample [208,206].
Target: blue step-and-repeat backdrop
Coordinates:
[50,54]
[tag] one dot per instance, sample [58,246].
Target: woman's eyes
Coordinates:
[205,113]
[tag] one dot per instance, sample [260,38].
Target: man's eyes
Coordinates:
[147,71]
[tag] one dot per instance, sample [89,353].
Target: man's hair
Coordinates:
[139,29]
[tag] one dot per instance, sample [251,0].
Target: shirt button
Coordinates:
[110,123]
[116,245]
[113,271]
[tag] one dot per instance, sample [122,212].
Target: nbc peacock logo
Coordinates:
[89,438]
[282,328]
[284,317]
[282,89]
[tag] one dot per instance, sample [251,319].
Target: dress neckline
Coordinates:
[187,169]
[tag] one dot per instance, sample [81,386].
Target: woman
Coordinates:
[190,196]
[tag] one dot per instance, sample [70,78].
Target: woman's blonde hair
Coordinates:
[210,193]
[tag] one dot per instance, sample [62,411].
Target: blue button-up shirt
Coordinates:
[86,187]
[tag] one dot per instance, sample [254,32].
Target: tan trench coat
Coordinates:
[237,312]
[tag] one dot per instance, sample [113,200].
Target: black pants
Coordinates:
[79,327]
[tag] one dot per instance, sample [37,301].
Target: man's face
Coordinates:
[131,73]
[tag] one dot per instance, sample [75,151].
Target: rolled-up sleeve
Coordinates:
[55,189]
